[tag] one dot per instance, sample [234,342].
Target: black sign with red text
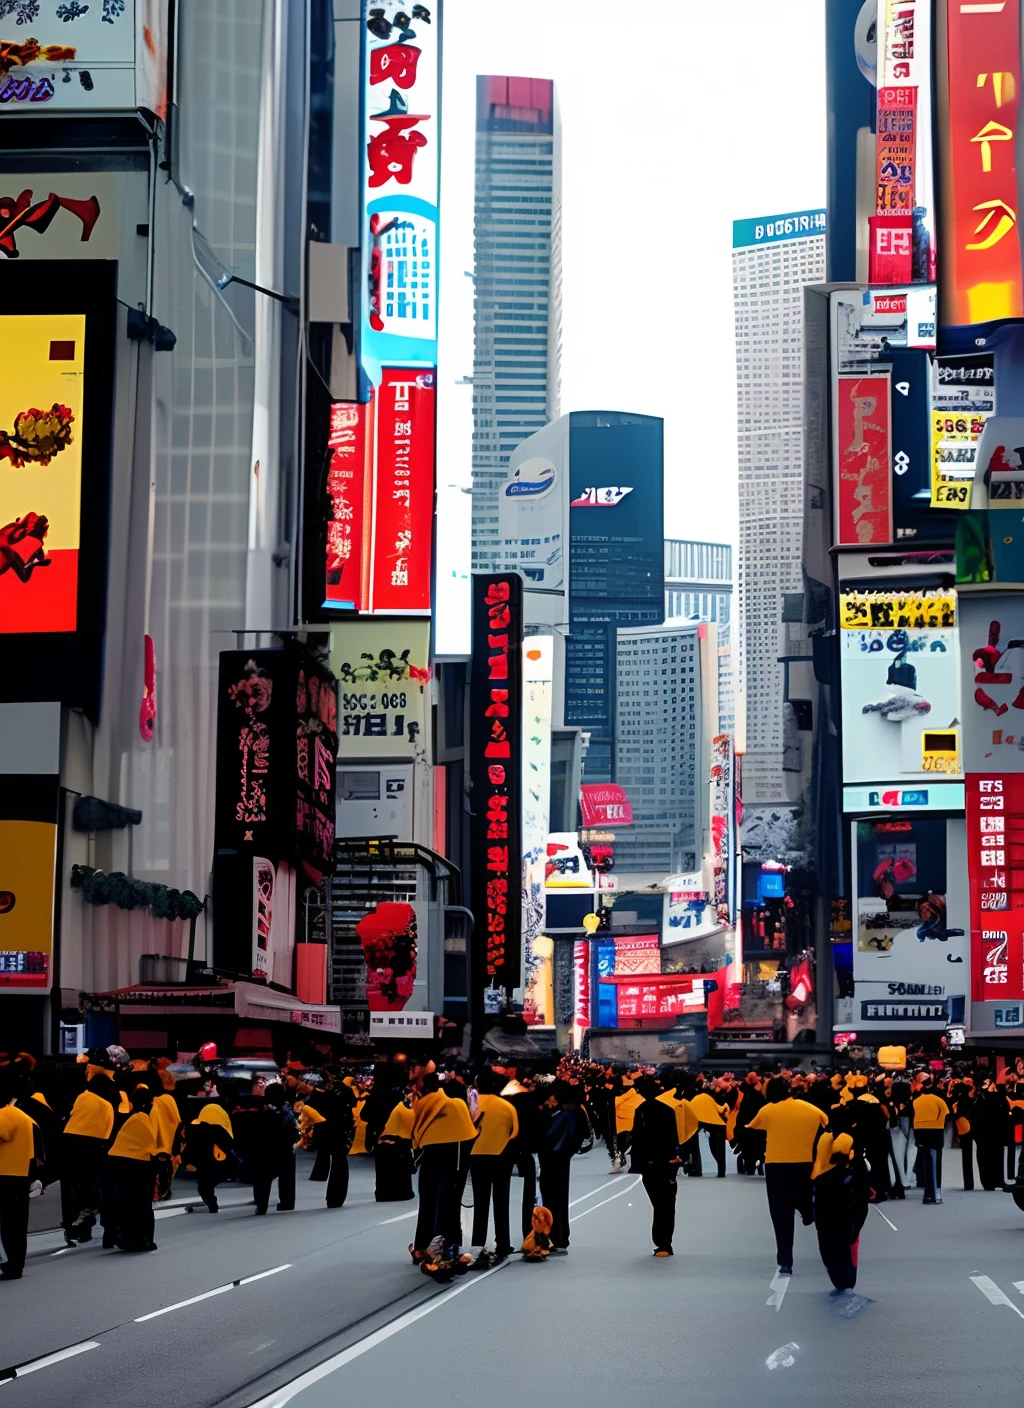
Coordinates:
[495,762]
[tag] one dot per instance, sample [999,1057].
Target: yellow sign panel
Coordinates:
[940,751]
[954,448]
[28,858]
[890,611]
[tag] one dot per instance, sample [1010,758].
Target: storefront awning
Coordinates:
[230,999]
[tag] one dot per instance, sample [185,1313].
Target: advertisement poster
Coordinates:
[533,507]
[496,771]
[723,825]
[28,858]
[905,58]
[41,428]
[863,470]
[605,804]
[963,398]
[995,860]
[349,505]
[894,150]
[913,515]
[383,670]
[581,1017]
[637,954]
[992,682]
[900,686]
[401,133]
[404,493]
[867,325]
[911,950]
[566,867]
[981,260]
[538,675]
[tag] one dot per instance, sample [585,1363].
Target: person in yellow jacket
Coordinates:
[792,1127]
[490,1167]
[84,1144]
[17,1151]
[675,1094]
[392,1156]
[627,1102]
[131,1162]
[440,1127]
[712,1112]
[358,1145]
[167,1130]
[930,1115]
[210,1147]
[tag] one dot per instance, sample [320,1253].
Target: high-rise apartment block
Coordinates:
[773,259]
[517,230]
[698,587]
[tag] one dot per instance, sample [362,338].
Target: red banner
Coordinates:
[605,804]
[349,497]
[891,249]
[404,515]
[581,986]
[894,151]
[863,452]
[981,264]
[995,864]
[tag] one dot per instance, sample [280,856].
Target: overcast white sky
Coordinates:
[677,118]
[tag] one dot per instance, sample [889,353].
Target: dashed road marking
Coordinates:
[779,1285]
[882,1215]
[207,1295]
[18,1371]
[993,1294]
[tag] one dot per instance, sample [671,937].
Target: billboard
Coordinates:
[605,804]
[56,397]
[383,670]
[864,453]
[898,654]
[995,861]
[911,950]
[963,397]
[992,690]
[981,258]
[851,64]
[28,860]
[401,145]
[495,766]
[538,679]
[532,508]
[723,826]
[770,229]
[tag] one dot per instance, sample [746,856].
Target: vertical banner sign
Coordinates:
[963,397]
[995,865]
[722,820]
[580,991]
[904,67]
[349,505]
[538,677]
[981,264]
[864,477]
[890,259]
[496,764]
[404,493]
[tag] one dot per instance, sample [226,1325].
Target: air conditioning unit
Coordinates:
[156,968]
[375,801]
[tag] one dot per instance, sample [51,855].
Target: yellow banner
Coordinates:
[954,448]
[889,611]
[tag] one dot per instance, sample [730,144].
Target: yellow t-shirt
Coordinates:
[687,1123]
[438,1120]
[399,1125]
[626,1106]
[791,1126]
[707,1109]
[498,1124]
[930,1112]
[17,1142]
[135,1139]
[91,1116]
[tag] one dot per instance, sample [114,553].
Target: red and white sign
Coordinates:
[995,864]
[981,263]
[349,504]
[891,248]
[580,989]
[637,954]
[658,1002]
[863,470]
[605,804]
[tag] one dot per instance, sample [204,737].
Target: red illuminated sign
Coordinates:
[605,804]
[581,985]
[403,520]
[894,150]
[981,263]
[995,863]
[349,499]
[863,472]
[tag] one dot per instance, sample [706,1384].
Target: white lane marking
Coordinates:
[1019,1286]
[248,1280]
[64,1251]
[599,1189]
[778,1286]
[181,1304]
[404,1218]
[594,1206]
[992,1293]
[783,1357]
[206,1295]
[159,1214]
[284,1395]
[20,1370]
[882,1215]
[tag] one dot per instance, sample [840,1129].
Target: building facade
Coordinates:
[517,229]
[774,258]
[699,587]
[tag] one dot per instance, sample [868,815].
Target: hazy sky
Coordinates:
[677,117]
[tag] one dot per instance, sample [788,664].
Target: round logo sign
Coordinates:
[532,478]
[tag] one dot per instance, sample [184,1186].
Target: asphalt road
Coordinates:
[316,1308]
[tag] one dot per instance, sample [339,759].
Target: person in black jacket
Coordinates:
[523,1148]
[563,1127]
[333,1138]
[274,1153]
[656,1156]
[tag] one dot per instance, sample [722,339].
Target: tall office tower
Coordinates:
[772,259]
[658,747]
[517,231]
[698,587]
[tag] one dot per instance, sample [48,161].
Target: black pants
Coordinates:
[392,1161]
[331,1167]
[492,1178]
[835,1243]
[990,1162]
[554,1194]
[80,1198]
[524,1165]
[716,1140]
[967,1160]
[132,1182]
[1011,1159]
[789,1192]
[660,1187]
[929,1141]
[284,1172]
[440,1212]
[14,1220]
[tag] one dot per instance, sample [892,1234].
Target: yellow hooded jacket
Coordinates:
[707,1109]
[91,1116]
[400,1122]
[626,1106]
[499,1124]
[830,1147]
[216,1114]
[438,1120]
[687,1123]
[135,1139]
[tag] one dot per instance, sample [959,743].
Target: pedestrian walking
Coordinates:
[523,1149]
[750,1156]
[562,1131]
[167,1130]
[273,1153]
[841,1193]
[490,1166]
[132,1176]
[626,1103]
[930,1115]
[392,1157]
[210,1150]
[711,1112]
[17,1153]
[332,1137]
[84,1144]
[440,1129]
[656,1156]
[792,1127]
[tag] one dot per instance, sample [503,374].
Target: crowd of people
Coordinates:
[826,1142]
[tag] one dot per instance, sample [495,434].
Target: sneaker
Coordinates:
[616,1166]
[485,1261]
[559,1251]
[663,1251]
[785,1271]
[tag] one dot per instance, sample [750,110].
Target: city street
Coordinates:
[317,1308]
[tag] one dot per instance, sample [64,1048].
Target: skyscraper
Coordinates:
[698,587]
[517,231]
[773,258]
